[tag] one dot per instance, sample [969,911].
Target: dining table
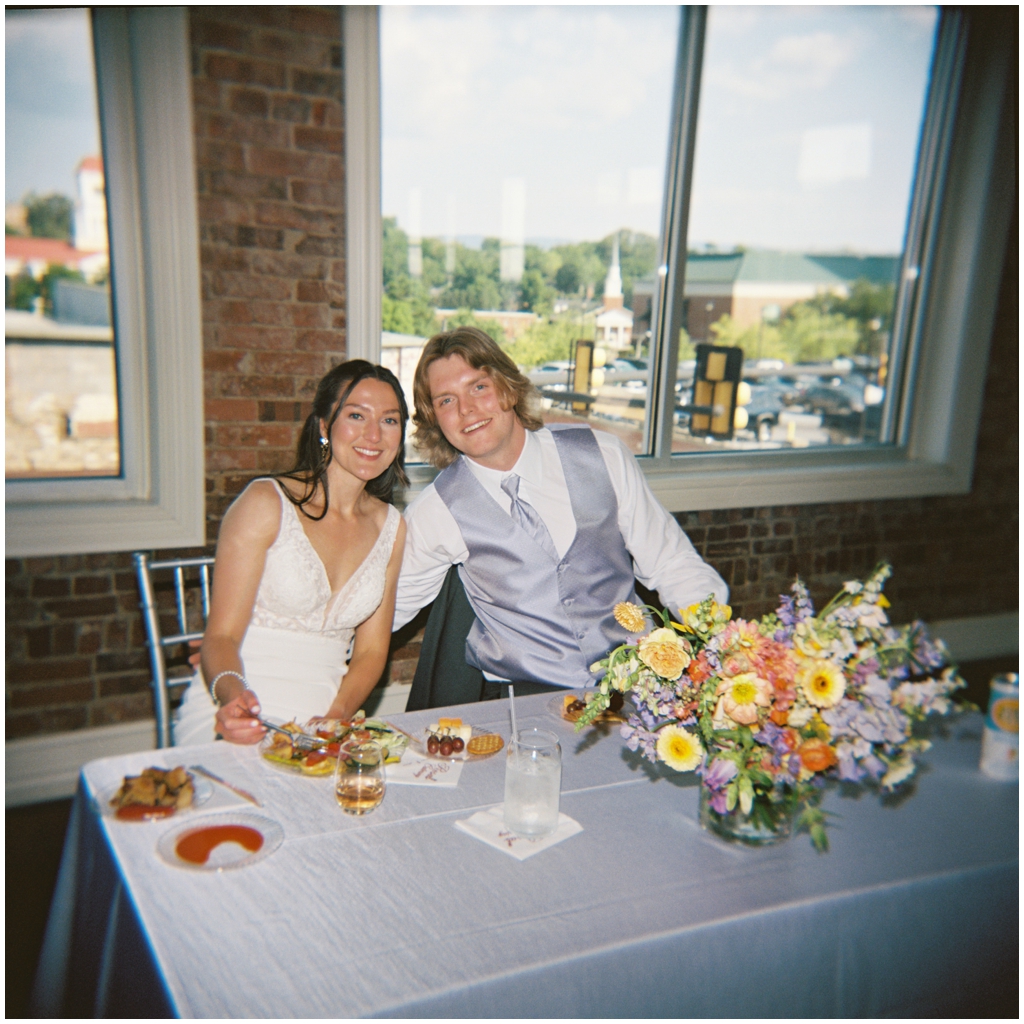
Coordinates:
[913,910]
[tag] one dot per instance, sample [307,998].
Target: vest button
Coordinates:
[567,601]
[580,636]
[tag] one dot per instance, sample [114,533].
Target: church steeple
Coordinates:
[613,282]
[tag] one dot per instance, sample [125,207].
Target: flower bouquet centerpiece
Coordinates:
[768,711]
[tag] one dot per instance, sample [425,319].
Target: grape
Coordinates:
[446,747]
[458,744]
[432,744]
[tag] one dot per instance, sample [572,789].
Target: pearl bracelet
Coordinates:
[220,675]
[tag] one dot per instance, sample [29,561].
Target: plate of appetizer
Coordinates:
[448,739]
[570,705]
[335,734]
[154,794]
[220,842]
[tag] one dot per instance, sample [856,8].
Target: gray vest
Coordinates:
[535,619]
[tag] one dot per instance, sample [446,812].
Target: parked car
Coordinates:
[837,400]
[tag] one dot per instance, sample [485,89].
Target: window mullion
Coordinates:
[675,214]
[922,223]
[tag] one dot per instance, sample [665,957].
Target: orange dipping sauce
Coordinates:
[196,846]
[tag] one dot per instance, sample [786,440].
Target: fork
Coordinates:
[299,740]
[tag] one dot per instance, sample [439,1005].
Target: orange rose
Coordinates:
[664,652]
[816,755]
[779,717]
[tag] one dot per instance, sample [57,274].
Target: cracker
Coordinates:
[486,743]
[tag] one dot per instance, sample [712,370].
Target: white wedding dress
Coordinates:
[299,641]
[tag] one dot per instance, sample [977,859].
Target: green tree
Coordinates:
[870,305]
[465,318]
[411,307]
[49,216]
[548,341]
[21,291]
[535,293]
[396,315]
[56,272]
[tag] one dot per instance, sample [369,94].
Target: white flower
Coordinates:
[899,770]
[853,586]
[799,717]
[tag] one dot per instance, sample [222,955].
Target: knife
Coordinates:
[244,794]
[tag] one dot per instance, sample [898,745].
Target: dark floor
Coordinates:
[35,836]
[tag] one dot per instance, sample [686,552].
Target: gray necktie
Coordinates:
[527,516]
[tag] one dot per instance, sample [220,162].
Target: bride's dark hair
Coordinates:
[311,459]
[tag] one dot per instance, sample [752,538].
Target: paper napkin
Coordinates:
[414,770]
[489,825]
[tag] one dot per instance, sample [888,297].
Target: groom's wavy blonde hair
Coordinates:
[482,353]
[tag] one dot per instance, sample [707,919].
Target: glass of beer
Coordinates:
[359,777]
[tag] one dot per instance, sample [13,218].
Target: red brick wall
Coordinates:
[269,168]
[268,129]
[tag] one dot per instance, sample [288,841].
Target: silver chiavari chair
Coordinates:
[185,581]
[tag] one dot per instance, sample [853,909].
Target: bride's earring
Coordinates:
[324,445]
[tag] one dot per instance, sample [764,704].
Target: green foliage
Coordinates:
[49,216]
[407,307]
[804,335]
[465,318]
[56,272]
[534,292]
[870,305]
[22,291]
[548,341]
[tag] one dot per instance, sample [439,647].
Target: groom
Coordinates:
[548,528]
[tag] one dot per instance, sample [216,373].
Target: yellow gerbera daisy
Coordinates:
[679,749]
[822,682]
[630,616]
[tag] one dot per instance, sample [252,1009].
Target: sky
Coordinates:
[557,117]
[51,120]
[807,131]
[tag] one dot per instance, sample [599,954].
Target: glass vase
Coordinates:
[770,819]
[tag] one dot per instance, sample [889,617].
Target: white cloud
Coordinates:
[831,155]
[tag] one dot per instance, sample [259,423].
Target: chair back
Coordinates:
[186,575]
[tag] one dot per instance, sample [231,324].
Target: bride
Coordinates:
[306,571]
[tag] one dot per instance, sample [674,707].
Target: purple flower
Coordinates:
[720,774]
[718,803]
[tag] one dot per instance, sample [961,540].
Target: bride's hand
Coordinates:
[236,721]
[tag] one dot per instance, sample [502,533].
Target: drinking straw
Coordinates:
[512,710]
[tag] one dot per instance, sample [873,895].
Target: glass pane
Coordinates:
[806,142]
[61,384]
[524,155]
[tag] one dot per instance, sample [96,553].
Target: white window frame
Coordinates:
[961,212]
[143,69]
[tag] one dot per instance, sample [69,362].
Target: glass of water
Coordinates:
[533,779]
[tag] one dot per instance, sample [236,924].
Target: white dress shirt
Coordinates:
[663,557]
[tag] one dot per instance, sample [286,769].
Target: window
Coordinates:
[943,253]
[155,498]
[61,381]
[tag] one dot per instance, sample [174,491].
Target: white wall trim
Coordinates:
[40,768]
[364,254]
[145,96]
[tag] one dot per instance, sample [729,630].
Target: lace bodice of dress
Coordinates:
[295,594]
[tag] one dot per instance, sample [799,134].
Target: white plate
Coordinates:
[556,706]
[419,745]
[203,791]
[228,853]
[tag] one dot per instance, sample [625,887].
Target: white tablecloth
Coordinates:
[912,913]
